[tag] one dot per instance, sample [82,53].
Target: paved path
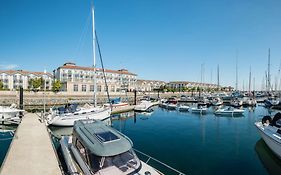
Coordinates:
[31,151]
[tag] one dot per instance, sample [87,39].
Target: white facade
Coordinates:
[149,85]
[187,84]
[14,79]
[81,79]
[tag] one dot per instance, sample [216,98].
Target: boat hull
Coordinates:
[68,120]
[272,143]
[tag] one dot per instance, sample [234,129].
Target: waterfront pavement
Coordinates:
[31,151]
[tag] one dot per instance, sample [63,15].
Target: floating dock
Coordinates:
[31,151]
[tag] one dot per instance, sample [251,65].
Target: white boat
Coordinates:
[217,101]
[66,116]
[270,132]
[229,111]
[249,102]
[183,107]
[199,109]
[143,106]
[10,114]
[171,106]
[97,149]
[116,103]
[236,102]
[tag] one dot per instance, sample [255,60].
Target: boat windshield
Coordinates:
[126,162]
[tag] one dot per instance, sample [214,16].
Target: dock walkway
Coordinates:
[31,151]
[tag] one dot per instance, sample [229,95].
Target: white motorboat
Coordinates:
[95,149]
[183,107]
[116,103]
[171,106]
[249,102]
[270,131]
[236,102]
[229,111]
[143,106]
[199,109]
[10,114]
[217,101]
[66,116]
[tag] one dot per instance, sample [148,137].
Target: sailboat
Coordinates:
[66,116]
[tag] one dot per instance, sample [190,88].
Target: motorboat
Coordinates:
[183,107]
[66,116]
[236,102]
[270,131]
[171,106]
[199,109]
[217,101]
[10,115]
[144,106]
[116,103]
[97,149]
[229,111]
[249,102]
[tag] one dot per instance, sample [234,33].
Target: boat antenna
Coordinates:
[100,55]
[236,84]
[268,71]
[94,55]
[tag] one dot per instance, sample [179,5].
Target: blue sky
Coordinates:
[157,39]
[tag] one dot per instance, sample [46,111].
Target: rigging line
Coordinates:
[82,37]
[100,55]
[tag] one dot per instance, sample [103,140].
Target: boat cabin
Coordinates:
[104,149]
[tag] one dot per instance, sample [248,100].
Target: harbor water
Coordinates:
[193,143]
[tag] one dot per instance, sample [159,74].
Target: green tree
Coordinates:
[37,83]
[1,85]
[56,86]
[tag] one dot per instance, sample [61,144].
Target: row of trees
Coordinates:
[37,84]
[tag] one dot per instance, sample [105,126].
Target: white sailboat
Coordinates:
[10,114]
[70,113]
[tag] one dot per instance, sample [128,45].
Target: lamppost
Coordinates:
[44,97]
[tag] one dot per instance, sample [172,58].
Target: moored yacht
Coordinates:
[97,149]
[66,116]
[144,106]
[229,111]
[217,101]
[199,109]
[270,131]
[10,114]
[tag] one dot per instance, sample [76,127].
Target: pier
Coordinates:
[31,151]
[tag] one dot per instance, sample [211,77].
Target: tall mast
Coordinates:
[250,78]
[268,71]
[236,83]
[94,54]
[218,72]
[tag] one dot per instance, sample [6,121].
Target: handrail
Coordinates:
[158,161]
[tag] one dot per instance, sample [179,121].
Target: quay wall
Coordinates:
[36,99]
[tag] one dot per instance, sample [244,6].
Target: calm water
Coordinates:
[6,136]
[195,144]
[206,144]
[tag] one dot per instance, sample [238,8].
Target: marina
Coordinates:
[211,139]
[125,88]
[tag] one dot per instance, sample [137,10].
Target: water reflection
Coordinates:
[271,162]
[58,132]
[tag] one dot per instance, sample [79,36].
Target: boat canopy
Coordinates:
[101,139]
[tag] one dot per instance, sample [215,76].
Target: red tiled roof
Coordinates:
[98,69]
[23,72]
[190,82]
[154,81]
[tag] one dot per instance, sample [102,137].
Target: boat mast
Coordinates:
[94,55]
[236,84]
[218,72]
[250,78]
[268,72]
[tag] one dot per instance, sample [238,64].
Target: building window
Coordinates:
[112,88]
[91,88]
[99,88]
[75,88]
[84,88]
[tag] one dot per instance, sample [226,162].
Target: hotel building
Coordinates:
[80,79]
[188,84]
[14,79]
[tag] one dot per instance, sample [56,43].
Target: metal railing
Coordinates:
[158,161]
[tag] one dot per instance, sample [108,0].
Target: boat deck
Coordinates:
[31,151]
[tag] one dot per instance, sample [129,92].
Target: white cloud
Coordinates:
[8,66]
